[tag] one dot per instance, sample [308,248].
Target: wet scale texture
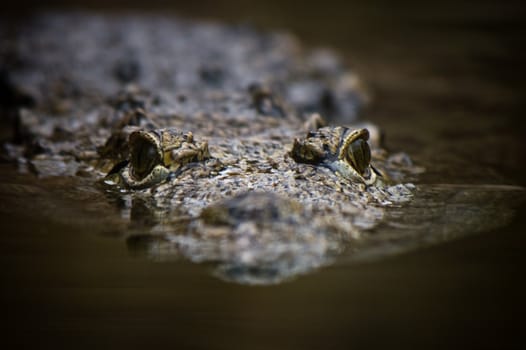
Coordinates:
[249,207]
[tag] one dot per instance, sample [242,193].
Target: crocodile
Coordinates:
[243,148]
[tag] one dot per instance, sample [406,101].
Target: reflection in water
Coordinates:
[440,213]
[252,238]
[249,239]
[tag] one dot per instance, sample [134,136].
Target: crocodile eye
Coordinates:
[359,155]
[144,158]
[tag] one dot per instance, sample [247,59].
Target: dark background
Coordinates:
[447,82]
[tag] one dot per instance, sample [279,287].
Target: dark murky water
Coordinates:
[447,89]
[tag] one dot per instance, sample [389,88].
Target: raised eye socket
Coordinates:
[359,155]
[144,158]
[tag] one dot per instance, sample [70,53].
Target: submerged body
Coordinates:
[222,147]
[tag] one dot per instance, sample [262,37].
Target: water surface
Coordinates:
[445,87]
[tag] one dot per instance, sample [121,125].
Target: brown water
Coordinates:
[446,81]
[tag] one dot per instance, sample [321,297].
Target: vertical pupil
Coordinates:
[359,155]
[144,158]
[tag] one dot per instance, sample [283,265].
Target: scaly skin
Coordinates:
[221,144]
